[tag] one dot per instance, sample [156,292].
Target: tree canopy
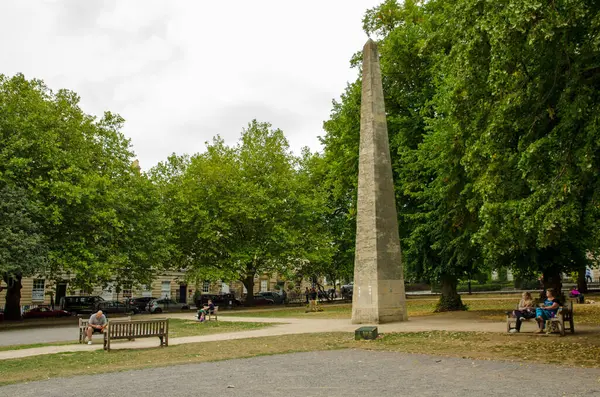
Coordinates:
[69,185]
[493,133]
[244,210]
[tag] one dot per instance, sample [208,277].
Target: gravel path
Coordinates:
[333,374]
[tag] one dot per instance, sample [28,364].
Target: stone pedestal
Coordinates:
[378,295]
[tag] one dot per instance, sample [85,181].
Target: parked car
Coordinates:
[161,305]
[140,302]
[260,300]
[80,304]
[45,312]
[274,296]
[218,300]
[347,291]
[111,307]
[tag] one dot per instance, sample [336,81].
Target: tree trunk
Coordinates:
[249,284]
[581,281]
[12,309]
[552,280]
[450,299]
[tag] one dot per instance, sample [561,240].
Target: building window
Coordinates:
[165,289]
[206,286]
[224,288]
[127,293]
[264,285]
[37,294]
[147,291]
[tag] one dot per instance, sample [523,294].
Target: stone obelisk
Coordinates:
[378,295]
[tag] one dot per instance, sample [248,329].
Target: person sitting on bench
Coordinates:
[210,309]
[547,311]
[575,294]
[526,310]
[96,324]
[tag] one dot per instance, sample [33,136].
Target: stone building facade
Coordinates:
[40,291]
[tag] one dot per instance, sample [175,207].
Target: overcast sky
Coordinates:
[180,72]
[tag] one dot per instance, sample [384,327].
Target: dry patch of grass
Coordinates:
[80,363]
[582,350]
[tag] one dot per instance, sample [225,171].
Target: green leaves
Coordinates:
[492,118]
[98,217]
[243,210]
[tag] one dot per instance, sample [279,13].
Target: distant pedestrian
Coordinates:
[588,275]
[283,296]
[307,295]
[96,324]
[313,300]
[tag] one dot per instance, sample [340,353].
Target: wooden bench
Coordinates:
[132,329]
[214,314]
[563,319]
[561,322]
[83,324]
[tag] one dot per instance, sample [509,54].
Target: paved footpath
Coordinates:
[283,326]
[345,373]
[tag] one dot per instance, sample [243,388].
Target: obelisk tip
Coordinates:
[370,44]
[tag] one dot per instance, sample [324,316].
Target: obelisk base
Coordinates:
[378,303]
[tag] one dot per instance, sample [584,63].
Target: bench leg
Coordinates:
[561,327]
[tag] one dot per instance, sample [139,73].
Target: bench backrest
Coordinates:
[83,322]
[138,328]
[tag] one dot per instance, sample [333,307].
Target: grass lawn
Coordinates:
[583,350]
[487,307]
[177,328]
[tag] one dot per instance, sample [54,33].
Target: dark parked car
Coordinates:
[222,300]
[260,300]
[274,296]
[45,312]
[140,302]
[347,291]
[166,304]
[80,304]
[111,307]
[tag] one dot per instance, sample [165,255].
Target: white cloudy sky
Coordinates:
[181,72]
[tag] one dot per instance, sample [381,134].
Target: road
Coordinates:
[38,335]
[344,373]
[62,333]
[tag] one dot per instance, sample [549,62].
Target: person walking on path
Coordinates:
[307,295]
[96,324]
[313,300]
[588,275]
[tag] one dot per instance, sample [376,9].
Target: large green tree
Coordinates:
[244,210]
[521,87]
[493,132]
[98,215]
[22,245]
